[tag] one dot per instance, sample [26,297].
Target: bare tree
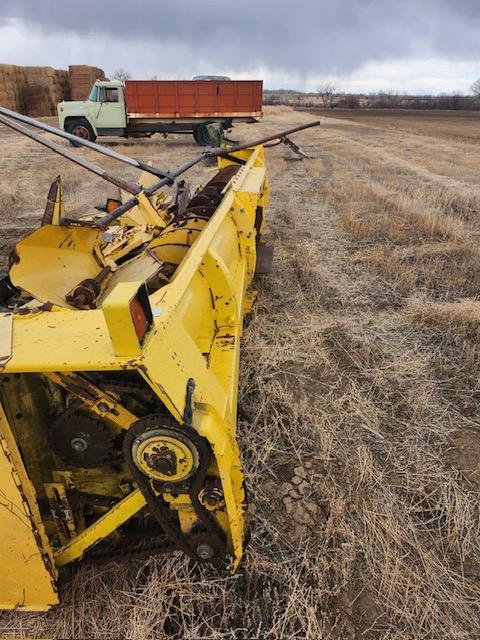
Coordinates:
[475,88]
[121,74]
[390,99]
[326,92]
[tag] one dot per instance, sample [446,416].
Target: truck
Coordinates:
[140,108]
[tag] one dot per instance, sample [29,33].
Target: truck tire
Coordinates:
[82,129]
[201,135]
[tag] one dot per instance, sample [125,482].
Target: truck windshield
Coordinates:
[93,94]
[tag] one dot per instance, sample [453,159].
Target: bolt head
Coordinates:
[78,444]
[205,551]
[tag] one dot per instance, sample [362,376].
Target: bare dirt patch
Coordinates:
[464,454]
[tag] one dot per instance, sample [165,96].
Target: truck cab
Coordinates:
[103,113]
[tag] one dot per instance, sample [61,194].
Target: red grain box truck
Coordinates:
[140,108]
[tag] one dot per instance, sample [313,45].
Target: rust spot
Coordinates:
[28,511]
[226,341]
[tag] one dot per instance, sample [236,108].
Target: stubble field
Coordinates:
[359,394]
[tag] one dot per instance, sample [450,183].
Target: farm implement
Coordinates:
[119,355]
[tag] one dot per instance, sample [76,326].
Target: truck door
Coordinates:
[110,109]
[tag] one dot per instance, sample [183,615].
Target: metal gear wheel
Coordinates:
[83,441]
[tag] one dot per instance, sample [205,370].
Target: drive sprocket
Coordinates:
[82,440]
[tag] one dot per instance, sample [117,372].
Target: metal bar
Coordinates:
[222,151]
[100,403]
[84,143]
[216,151]
[129,204]
[116,213]
[86,164]
[104,526]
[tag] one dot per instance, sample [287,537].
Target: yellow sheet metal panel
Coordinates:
[192,307]
[27,570]
[52,260]
[63,341]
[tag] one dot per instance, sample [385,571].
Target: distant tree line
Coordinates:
[328,98]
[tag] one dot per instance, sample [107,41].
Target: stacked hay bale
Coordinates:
[36,91]
[12,81]
[42,91]
[62,85]
[82,78]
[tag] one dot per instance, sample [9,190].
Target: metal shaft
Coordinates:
[217,151]
[220,151]
[86,164]
[129,204]
[43,126]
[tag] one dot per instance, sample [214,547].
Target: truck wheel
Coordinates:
[201,135]
[82,129]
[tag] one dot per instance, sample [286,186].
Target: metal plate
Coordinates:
[25,557]
[264,259]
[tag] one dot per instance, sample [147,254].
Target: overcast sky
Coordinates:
[414,46]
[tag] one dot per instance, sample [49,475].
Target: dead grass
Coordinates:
[463,317]
[359,372]
[446,271]
[371,211]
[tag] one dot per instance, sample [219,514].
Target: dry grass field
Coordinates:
[359,419]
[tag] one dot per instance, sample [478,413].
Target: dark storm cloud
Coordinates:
[332,36]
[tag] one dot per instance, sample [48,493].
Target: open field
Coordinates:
[359,419]
[457,125]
